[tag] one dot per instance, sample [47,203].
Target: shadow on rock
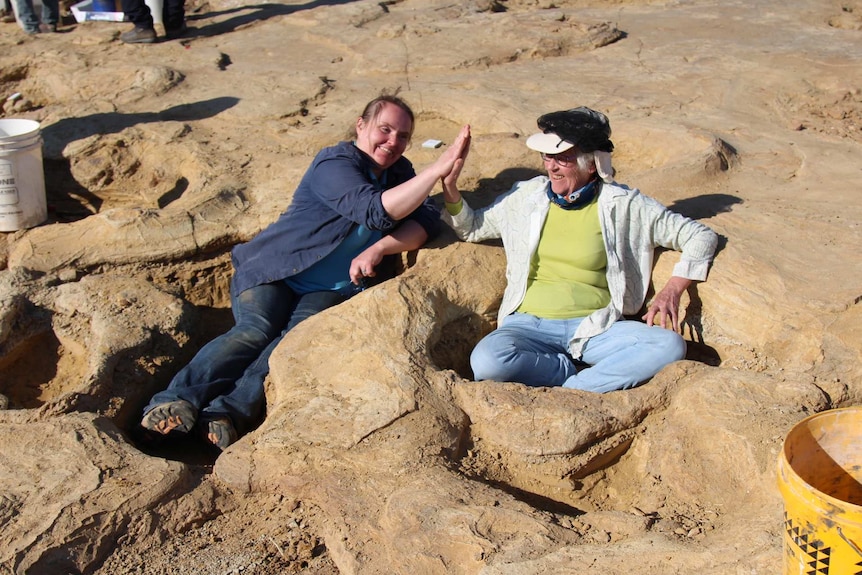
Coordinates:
[706,206]
[247,14]
[58,135]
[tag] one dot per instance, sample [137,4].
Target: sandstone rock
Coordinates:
[378,453]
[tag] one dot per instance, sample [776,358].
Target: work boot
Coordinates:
[218,430]
[47,28]
[139,35]
[179,415]
[6,17]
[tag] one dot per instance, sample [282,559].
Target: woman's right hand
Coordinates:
[404,198]
[452,177]
[455,155]
[451,194]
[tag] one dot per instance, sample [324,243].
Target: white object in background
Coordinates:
[432,144]
[22,179]
[83,12]
[155,7]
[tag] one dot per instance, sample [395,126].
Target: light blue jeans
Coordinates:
[27,14]
[535,351]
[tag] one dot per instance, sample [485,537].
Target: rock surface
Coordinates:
[378,453]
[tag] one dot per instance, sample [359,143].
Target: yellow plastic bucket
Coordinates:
[819,474]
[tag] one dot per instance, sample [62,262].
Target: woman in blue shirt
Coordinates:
[357,203]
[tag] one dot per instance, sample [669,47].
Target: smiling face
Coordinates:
[385,136]
[566,173]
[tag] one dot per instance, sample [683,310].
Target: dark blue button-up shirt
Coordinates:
[335,194]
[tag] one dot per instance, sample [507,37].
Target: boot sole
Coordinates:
[172,416]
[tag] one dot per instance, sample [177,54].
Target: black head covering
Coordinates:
[587,129]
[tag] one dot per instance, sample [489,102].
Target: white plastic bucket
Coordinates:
[22,179]
[155,7]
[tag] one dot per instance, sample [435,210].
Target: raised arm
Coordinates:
[451,193]
[401,200]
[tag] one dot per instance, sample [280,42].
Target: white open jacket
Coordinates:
[633,226]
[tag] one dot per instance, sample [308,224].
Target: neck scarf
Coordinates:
[577,199]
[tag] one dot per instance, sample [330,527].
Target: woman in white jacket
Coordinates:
[579,251]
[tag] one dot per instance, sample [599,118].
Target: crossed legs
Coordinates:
[534,351]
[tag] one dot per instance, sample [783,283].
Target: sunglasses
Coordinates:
[562,161]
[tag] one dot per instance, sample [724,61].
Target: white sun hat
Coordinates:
[587,129]
[548,143]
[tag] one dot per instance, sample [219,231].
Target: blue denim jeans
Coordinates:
[535,351]
[26,14]
[226,377]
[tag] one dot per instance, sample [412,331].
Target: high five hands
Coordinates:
[459,150]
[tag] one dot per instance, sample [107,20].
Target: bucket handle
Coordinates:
[850,543]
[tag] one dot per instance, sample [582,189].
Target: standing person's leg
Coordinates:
[7,15]
[138,13]
[26,15]
[628,353]
[260,314]
[50,15]
[174,18]
[236,412]
[526,349]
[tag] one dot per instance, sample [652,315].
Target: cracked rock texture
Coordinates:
[379,454]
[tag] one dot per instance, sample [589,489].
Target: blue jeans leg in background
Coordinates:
[245,400]
[138,13]
[534,351]
[26,14]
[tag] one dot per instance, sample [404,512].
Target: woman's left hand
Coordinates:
[363,265]
[665,304]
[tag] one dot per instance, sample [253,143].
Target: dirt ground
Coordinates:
[159,158]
